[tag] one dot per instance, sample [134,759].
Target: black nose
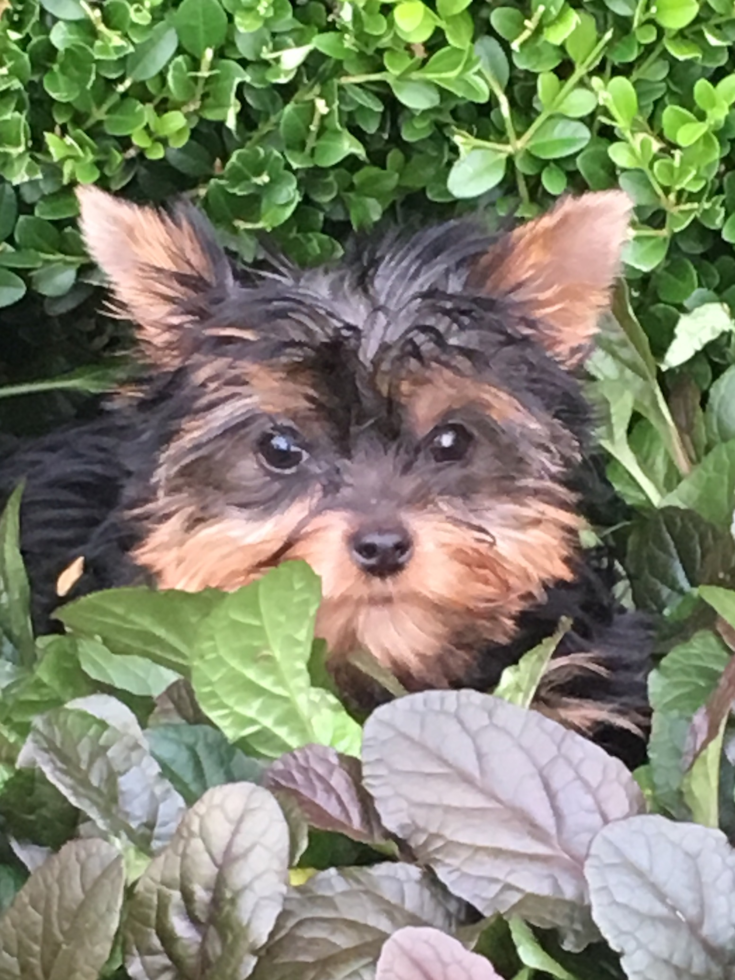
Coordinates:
[383,552]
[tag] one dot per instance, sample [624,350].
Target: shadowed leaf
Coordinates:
[210,899]
[333,926]
[94,752]
[64,919]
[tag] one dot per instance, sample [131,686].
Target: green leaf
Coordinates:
[140,622]
[251,671]
[710,487]
[558,137]
[200,24]
[136,675]
[646,252]
[8,210]
[153,54]
[720,411]
[675,14]
[416,95]
[94,752]
[125,118]
[12,288]
[64,919]
[624,99]
[695,330]
[194,758]
[531,953]
[671,553]
[55,279]
[408,14]
[16,633]
[651,877]
[519,682]
[721,600]
[65,9]
[477,172]
[231,851]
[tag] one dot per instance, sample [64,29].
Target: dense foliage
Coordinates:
[181,792]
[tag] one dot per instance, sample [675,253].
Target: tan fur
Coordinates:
[138,248]
[561,267]
[431,395]
[459,577]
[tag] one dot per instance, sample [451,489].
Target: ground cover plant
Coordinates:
[182,794]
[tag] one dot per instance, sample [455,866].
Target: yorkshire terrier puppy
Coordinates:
[410,422]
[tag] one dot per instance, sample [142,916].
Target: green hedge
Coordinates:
[306,119]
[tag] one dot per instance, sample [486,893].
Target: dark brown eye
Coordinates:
[279,450]
[450,443]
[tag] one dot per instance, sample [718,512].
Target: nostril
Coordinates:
[381,552]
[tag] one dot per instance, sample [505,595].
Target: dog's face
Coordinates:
[407,423]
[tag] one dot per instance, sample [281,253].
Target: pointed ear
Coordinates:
[163,266]
[560,268]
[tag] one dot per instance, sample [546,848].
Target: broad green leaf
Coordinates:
[16,634]
[710,487]
[63,921]
[416,953]
[721,600]
[137,675]
[194,758]
[477,172]
[696,329]
[337,922]
[558,137]
[662,896]
[207,904]
[251,671]
[140,622]
[519,774]
[200,24]
[673,551]
[679,687]
[94,752]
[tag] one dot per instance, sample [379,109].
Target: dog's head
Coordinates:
[408,422]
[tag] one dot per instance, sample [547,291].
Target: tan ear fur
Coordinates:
[561,267]
[158,263]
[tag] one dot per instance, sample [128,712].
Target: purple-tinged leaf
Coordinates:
[427,954]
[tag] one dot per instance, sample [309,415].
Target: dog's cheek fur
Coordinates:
[228,552]
[457,592]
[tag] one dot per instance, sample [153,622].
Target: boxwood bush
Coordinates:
[162,818]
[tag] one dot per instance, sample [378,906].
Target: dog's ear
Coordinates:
[560,269]
[164,267]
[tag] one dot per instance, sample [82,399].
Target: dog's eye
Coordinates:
[280,451]
[450,443]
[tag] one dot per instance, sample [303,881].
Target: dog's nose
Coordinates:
[381,552]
